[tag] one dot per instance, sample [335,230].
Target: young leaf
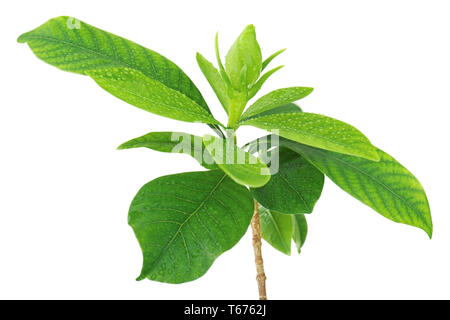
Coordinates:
[242,167]
[276,229]
[300,230]
[270,58]
[223,73]
[294,189]
[257,86]
[141,91]
[174,142]
[215,80]
[183,222]
[318,131]
[245,51]
[275,99]
[84,48]
[386,186]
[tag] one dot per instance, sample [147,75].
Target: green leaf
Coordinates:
[80,48]
[318,131]
[183,222]
[286,108]
[215,80]
[245,52]
[242,167]
[135,88]
[270,58]
[300,230]
[295,188]
[257,86]
[223,73]
[276,229]
[275,99]
[386,186]
[174,142]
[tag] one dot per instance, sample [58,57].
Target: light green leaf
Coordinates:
[223,73]
[135,88]
[286,108]
[242,167]
[215,80]
[276,229]
[300,230]
[245,52]
[270,58]
[275,99]
[318,131]
[257,86]
[295,188]
[75,46]
[173,142]
[183,222]
[386,186]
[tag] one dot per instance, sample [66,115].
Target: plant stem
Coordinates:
[259,263]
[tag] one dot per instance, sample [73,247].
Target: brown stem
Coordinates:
[260,275]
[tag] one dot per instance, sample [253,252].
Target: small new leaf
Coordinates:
[295,188]
[270,58]
[257,86]
[245,51]
[87,48]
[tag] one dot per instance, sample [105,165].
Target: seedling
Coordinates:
[184,221]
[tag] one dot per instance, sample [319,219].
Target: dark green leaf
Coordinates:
[174,142]
[215,80]
[295,188]
[276,229]
[183,222]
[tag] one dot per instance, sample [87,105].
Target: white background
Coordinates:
[382,66]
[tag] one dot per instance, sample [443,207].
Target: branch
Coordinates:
[260,275]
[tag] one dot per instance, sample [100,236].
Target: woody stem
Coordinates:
[260,275]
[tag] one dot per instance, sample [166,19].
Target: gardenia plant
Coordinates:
[184,221]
